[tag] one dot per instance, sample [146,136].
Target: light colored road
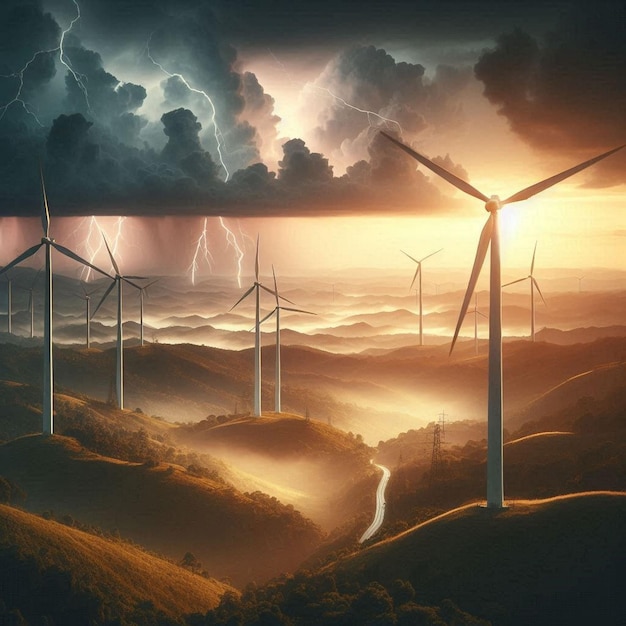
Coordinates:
[380,506]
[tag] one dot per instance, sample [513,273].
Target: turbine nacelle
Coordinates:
[493,204]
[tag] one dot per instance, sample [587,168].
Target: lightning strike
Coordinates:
[219,138]
[201,252]
[231,240]
[94,242]
[370,114]
[19,75]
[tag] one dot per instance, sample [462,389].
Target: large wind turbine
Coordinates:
[257,330]
[277,309]
[533,285]
[48,373]
[491,235]
[117,280]
[418,276]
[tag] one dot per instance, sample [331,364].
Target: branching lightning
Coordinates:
[202,251]
[370,114]
[219,138]
[19,75]
[231,240]
[94,243]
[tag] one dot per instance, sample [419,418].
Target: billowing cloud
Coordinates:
[565,92]
[365,88]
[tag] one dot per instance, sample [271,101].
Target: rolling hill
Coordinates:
[545,562]
[163,507]
[52,570]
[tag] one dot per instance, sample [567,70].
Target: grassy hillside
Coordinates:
[73,577]
[311,465]
[556,561]
[164,507]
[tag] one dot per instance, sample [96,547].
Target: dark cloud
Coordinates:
[397,95]
[565,92]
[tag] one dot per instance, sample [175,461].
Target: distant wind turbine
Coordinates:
[31,303]
[277,309]
[580,283]
[118,279]
[418,276]
[141,294]
[87,298]
[491,235]
[48,370]
[9,305]
[476,314]
[256,286]
[533,285]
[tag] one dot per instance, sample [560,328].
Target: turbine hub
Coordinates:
[493,204]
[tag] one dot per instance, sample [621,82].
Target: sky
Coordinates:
[185,129]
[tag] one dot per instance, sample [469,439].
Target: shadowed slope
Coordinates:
[51,569]
[555,561]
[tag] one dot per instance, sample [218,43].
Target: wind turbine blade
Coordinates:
[256,260]
[410,257]
[245,295]
[274,293]
[104,297]
[72,255]
[481,252]
[524,194]
[130,282]
[431,254]
[30,301]
[286,308]
[20,258]
[519,280]
[275,284]
[532,265]
[115,267]
[45,214]
[539,290]
[459,183]
[417,271]
[266,317]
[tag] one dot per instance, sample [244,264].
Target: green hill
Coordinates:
[163,507]
[73,577]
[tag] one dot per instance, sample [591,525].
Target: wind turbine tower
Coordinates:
[418,276]
[277,309]
[118,280]
[256,286]
[533,285]
[490,237]
[48,243]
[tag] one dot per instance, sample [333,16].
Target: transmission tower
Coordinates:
[436,463]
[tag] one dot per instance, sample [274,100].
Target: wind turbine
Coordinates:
[491,235]
[476,314]
[48,370]
[87,298]
[257,330]
[118,279]
[277,309]
[141,293]
[418,276]
[31,302]
[9,305]
[533,285]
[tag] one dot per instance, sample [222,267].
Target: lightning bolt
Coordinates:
[219,138]
[19,75]
[94,242]
[231,241]
[201,252]
[370,114]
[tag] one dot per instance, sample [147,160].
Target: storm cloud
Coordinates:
[565,92]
